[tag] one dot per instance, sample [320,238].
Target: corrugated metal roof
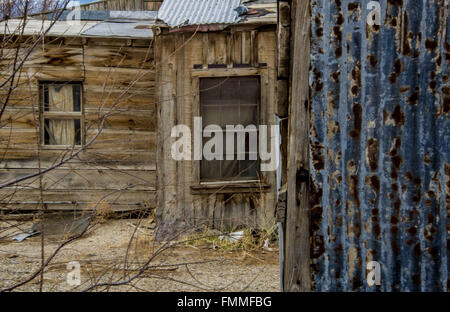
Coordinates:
[198,12]
[110,29]
[380,145]
[37,27]
[121,30]
[97,15]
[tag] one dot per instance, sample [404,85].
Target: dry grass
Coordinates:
[252,240]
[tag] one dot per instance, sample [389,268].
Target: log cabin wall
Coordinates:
[118,169]
[183,58]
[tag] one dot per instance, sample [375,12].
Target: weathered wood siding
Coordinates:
[123,5]
[182,59]
[118,78]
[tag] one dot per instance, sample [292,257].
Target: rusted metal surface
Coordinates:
[380,154]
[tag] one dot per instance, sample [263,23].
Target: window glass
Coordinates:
[61,113]
[230,101]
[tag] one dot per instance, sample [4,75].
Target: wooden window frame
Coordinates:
[60,115]
[245,186]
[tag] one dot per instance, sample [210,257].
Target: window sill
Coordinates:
[61,147]
[229,187]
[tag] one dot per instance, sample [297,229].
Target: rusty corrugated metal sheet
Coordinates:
[380,151]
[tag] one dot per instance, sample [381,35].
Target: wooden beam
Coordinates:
[297,275]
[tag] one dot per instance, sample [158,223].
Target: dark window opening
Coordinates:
[61,113]
[231,101]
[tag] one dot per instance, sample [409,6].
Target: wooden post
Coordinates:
[297,275]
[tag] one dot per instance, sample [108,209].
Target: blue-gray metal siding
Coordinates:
[380,151]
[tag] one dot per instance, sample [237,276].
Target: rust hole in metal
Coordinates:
[417,250]
[394,187]
[357,121]
[336,75]
[394,220]
[316,218]
[417,197]
[317,155]
[353,186]
[340,20]
[398,116]
[406,45]
[395,2]
[413,214]
[412,231]
[317,247]
[414,98]
[430,44]
[430,218]
[404,89]
[446,92]
[353,6]
[374,182]
[395,247]
[372,60]
[337,31]
[319,32]
[394,22]
[338,51]
[433,251]
[416,279]
[356,283]
[397,161]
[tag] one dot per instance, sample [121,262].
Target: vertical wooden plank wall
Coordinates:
[123,5]
[178,55]
[297,265]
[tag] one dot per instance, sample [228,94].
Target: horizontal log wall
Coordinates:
[119,167]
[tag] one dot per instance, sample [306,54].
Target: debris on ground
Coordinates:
[57,225]
[232,237]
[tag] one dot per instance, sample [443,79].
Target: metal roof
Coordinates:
[96,15]
[111,29]
[198,12]
[37,27]
[121,30]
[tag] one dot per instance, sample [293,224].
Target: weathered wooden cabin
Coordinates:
[88,78]
[142,73]
[221,66]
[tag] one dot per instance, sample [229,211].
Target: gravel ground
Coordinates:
[101,255]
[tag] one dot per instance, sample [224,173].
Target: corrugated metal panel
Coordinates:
[121,30]
[198,12]
[37,27]
[380,145]
[104,15]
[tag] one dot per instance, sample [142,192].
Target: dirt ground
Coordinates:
[101,255]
